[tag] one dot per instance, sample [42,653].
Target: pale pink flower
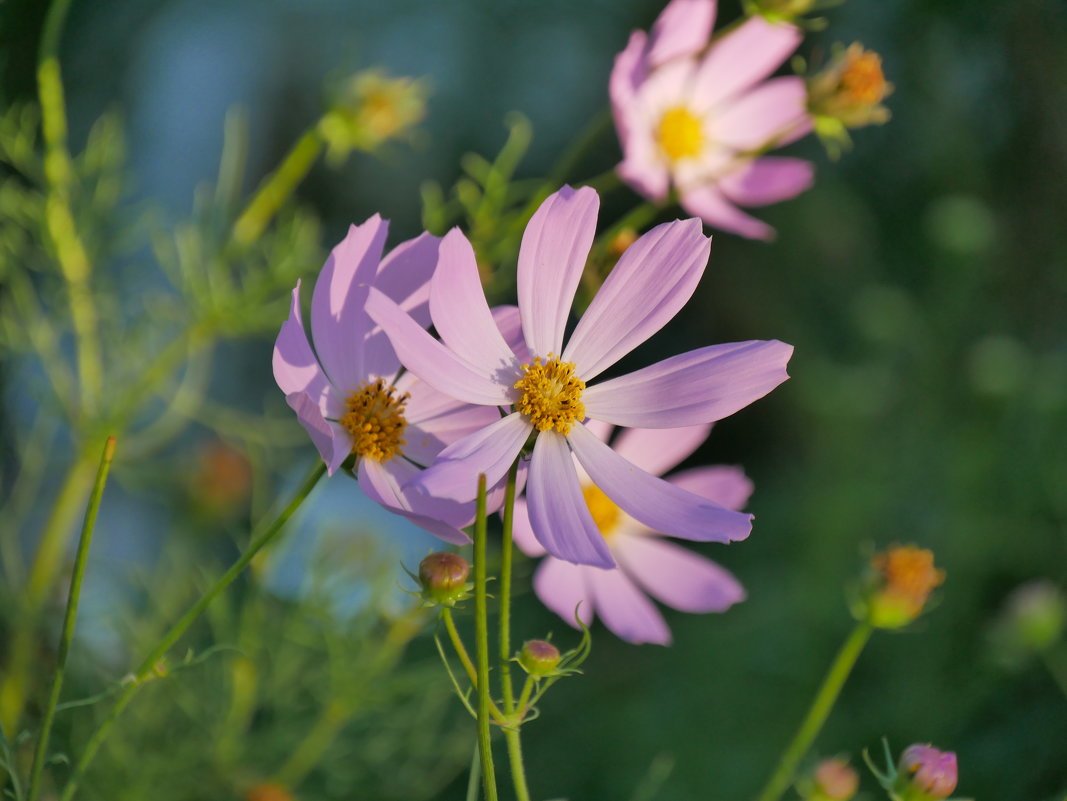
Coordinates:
[699,116]
[647,563]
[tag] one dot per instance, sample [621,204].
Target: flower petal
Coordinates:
[677,577]
[700,386]
[404,275]
[625,609]
[728,486]
[742,58]
[382,483]
[509,322]
[338,321]
[710,205]
[552,257]
[654,278]
[561,587]
[683,28]
[652,501]
[657,450]
[436,420]
[295,367]
[459,310]
[627,74]
[490,450]
[767,180]
[334,444]
[558,513]
[522,531]
[760,117]
[433,362]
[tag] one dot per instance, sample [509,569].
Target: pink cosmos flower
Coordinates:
[545,400]
[647,564]
[348,393]
[700,116]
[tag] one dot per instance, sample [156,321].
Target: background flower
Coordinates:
[646,562]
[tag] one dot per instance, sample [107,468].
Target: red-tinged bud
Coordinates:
[834,780]
[926,774]
[539,658]
[443,577]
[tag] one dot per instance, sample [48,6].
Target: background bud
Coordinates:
[443,577]
[268,791]
[1033,619]
[539,657]
[926,773]
[834,780]
[899,586]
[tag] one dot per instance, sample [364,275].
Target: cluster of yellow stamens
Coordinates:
[551,394]
[904,578]
[862,80]
[604,511]
[375,419]
[680,133]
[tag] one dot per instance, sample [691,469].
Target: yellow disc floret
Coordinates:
[680,133]
[550,395]
[375,419]
[605,513]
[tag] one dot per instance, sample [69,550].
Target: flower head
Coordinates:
[544,387]
[833,780]
[848,93]
[348,392]
[443,578]
[901,583]
[699,116]
[647,564]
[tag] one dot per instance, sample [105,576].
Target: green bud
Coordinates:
[443,577]
[539,658]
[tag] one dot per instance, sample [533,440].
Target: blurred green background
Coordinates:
[923,281]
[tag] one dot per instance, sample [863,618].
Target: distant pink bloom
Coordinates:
[698,117]
[646,562]
[347,393]
[545,399]
[929,771]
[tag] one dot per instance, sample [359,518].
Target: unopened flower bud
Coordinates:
[926,774]
[443,577]
[901,582]
[268,791]
[539,657]
[1034,617]
[833,780]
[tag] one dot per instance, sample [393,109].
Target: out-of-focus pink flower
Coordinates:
[927,773]
[348,392]
[699,117]
[543,395]
[647,564]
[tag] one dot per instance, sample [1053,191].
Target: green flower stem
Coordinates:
[518,771]
[59,219]
[817,714]
[465,659]
[277,187]
[475,777]
[481,647]
[43,571]
[524,697]
[40,753]
[261,536]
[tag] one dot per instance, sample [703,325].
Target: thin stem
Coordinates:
[481,649]
[524,697]
[475,777]
[506,550]
[458,646]
[263,535]
[277,187]
[817,714]
[518,771]
[59,219]
[41,751]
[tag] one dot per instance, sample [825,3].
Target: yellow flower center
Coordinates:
[551,394]
[862,80]
[375,419]
[604,511]
[680,133]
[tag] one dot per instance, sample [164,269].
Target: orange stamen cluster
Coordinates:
[862,80]
[375,419]
[906,577]
[551,394]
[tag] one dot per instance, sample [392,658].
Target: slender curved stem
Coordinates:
[41,751]
[481,648]
[263,535]
[458,646]
[817,713]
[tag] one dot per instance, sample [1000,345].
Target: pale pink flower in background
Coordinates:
[348,392]
[545,400]
[647,563]
[698,117]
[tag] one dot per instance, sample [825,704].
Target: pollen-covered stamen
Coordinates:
[374,417]
[862,80]
[605,513]
[551,394]
[680,133]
